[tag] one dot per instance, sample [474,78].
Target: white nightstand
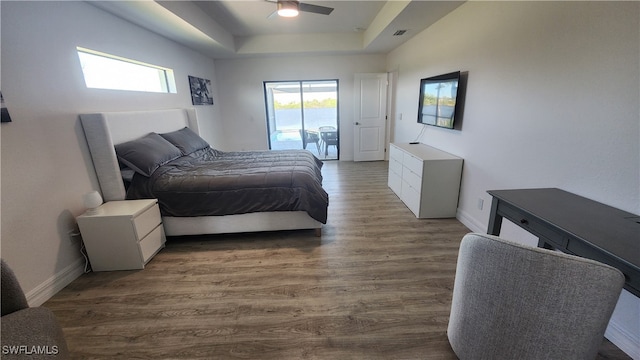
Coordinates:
[122,235]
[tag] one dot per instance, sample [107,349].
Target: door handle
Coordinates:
[357,123]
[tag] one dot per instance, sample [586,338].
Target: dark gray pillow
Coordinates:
[186,140]
[146,154]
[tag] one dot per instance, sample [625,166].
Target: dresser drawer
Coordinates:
[147,221]
[395,183]
[395,153]
[413,179]
[152,243]
[413,163]
[395,166]
[411,198]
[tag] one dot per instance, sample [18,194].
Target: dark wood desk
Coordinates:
[575,225]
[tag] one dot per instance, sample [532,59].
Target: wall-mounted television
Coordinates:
[439,100]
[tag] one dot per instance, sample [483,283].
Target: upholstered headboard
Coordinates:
[105,130]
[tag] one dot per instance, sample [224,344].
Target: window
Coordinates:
[104,71]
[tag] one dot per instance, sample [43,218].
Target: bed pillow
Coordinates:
[186,140]
[146,154]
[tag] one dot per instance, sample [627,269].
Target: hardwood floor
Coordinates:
[376,285]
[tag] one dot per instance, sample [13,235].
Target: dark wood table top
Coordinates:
[612,230]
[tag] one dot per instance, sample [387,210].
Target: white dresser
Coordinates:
[426,179]
[122,235]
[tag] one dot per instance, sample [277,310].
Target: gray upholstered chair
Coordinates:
[27,332]
[516,302]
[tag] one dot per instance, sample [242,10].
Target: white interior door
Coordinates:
[369,127]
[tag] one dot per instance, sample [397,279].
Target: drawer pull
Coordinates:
[524,222]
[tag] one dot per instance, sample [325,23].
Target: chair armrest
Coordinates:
[34,331]
[13,298]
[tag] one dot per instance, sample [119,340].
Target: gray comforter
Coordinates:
[211,182]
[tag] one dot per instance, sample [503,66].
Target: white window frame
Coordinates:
[106,71]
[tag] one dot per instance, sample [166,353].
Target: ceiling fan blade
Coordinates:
[315,9]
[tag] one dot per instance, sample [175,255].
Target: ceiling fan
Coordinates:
[291,8]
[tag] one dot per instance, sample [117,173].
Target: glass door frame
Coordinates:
[270,111]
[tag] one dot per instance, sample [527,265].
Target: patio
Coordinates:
[290,139]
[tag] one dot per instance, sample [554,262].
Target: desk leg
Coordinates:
[495,220]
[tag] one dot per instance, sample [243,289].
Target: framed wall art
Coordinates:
[200,91]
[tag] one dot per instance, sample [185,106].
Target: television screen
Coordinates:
[438,100]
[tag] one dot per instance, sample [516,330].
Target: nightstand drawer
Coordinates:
[152,243]
[147,221]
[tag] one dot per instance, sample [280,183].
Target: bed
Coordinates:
[108,130]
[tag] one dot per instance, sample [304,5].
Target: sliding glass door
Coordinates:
[303,115]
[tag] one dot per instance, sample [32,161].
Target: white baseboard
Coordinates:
[623,339]
[468,221]
[57,282]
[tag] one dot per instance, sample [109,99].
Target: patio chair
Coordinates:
[329,138]
[310,137]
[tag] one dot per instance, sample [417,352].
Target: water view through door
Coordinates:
[303,115]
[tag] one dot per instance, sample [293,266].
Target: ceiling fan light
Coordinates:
[287,8]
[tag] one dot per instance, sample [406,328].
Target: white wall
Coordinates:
[240,85]
[45,162]
[552,101]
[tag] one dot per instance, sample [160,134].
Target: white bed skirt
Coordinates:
[263,221]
